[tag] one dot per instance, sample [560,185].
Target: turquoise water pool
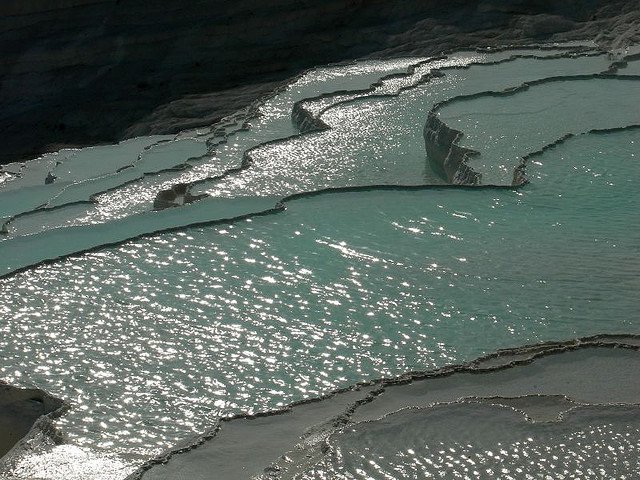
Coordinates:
[153,339]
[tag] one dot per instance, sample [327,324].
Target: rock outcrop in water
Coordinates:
[175,196]
[23,411]
[447,157]
[91,71]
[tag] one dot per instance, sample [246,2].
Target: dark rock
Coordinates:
[50,178]
[20,409]
[79,72]
[177,195]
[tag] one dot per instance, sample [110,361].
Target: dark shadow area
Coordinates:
[77,72]
[20,409]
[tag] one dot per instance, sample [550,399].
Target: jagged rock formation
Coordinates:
[91,71]
[22,410]
[175,196]
[446,155]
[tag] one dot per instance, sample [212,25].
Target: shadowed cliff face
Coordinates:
[90,71]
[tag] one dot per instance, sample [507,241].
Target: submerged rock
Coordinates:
[50,179]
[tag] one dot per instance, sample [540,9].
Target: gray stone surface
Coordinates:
[20,409]
[551,380]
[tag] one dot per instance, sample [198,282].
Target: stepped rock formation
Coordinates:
[76,72]
[89,71]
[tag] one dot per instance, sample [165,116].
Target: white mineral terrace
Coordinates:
[245,300]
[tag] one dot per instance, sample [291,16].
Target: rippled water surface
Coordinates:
[379,140]
[504,128]
[479,441]
[154,339]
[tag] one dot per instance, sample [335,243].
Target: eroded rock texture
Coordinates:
[20,411]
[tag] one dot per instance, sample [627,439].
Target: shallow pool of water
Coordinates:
[151,340]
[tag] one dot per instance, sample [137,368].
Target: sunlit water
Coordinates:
[371,141]
[484,442]
[505,128]
[154,339]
